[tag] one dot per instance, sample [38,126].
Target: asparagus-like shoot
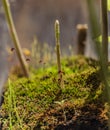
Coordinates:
[14,36]
[57,37]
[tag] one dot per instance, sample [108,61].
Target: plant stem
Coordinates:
[102,52]
[10,107]
[57,37]
[14,36]
[105,48]
[104,31]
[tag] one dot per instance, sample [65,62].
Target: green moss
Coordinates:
[33,97]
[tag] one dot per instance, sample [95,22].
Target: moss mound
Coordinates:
[39,103]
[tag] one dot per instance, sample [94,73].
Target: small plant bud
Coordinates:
[57,31]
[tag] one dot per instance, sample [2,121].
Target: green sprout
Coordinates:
[57,38]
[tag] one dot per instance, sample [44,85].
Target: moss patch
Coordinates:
[40,103]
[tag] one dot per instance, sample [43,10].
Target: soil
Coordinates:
[89,117]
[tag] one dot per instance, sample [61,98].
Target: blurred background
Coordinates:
[37,17]
[34,19]
[34,22]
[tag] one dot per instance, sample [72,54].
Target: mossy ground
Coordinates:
[39,103]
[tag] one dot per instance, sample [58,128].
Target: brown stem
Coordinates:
[14,36]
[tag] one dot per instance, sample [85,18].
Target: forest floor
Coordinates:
[43,103]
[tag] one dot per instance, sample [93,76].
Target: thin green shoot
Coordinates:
[12,106]
[57,38]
